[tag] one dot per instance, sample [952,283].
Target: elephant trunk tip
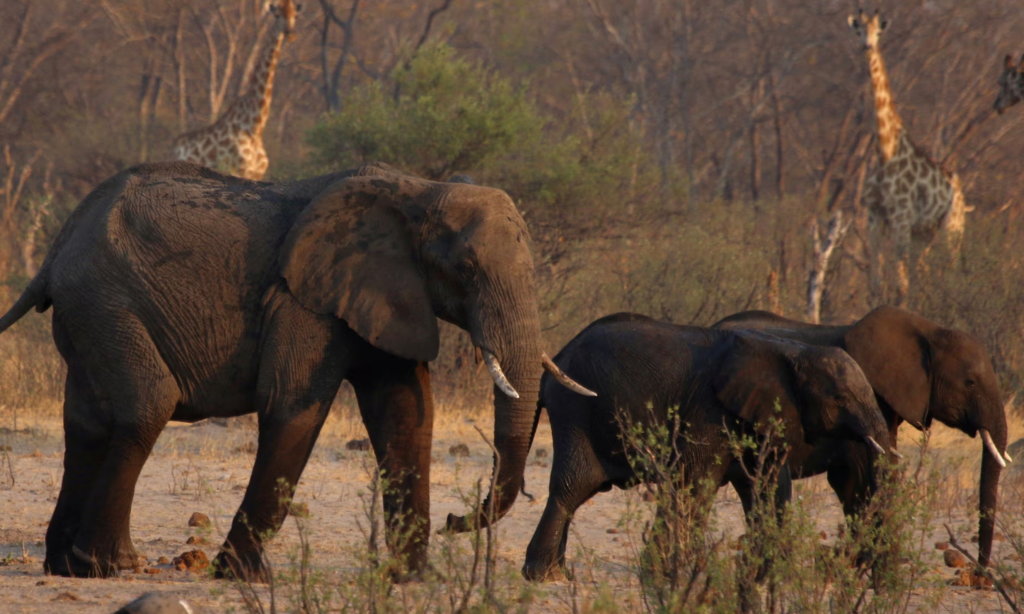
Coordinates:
[467,523]
[456,524]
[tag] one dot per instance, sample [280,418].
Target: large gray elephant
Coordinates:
[919,371]
[640,368]
[179,293]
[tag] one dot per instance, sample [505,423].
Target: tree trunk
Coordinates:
[822,253]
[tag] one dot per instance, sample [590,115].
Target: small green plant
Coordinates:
[780,565]
[463,574]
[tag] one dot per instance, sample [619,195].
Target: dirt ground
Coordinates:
[205,469]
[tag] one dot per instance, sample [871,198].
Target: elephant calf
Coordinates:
[641,367]
[920,372]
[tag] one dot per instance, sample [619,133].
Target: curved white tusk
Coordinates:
[992,447]
[1006,455]
[874,444]
[498,376]
[896,454]
[562,378]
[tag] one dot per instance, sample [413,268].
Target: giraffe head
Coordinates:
[868,29]
[284,12]
[1011,85]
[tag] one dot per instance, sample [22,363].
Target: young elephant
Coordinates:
[642,367]
[919,371]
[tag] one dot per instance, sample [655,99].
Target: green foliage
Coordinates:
[780,564]
[454,115]
[450,114]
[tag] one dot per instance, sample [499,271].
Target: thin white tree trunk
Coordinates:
[822,253]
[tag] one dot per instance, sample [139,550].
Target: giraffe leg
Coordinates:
[903,265]
[876,261]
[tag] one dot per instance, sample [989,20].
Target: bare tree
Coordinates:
[332,74]
[823,250]
[37,37]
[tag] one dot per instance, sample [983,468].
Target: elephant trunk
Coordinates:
[988,491]
[514,343]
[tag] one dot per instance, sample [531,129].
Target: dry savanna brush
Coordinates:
[305,306]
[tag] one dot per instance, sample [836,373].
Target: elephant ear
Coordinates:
[895,356]
[352,254]
[752,375]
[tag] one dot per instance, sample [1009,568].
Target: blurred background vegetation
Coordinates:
[669,156]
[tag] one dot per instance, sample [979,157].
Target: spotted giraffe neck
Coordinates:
[890,126]
[255,103]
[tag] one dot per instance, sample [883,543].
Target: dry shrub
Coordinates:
[33,382]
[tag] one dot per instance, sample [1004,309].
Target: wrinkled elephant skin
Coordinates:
[920,372]
[640,368]
[182,294]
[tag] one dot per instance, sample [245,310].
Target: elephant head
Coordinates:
[1011,85]
[820,392]
[924,372]
[389,254]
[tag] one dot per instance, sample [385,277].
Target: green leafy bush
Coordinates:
[445,115]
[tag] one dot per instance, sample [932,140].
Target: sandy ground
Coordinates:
[205,469]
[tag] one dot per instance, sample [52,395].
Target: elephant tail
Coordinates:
[33,296]
[533,432]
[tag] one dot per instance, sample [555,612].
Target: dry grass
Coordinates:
[205,469]
[696,268]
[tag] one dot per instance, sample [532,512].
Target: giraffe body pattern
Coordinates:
[234,143]
[909,197]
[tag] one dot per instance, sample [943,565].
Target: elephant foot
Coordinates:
[129,558]
[536,572]
[78,564]
[246,567]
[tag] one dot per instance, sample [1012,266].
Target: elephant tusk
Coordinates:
[874,444]
[562,378]
[896,454]
[498,376]
[1006,455]
[992,447]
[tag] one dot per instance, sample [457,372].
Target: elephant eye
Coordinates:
[466,269]
[970,383]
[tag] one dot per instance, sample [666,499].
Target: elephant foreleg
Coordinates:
[852,477]
[778,497]
[576,476]
[398,410]
[303,362]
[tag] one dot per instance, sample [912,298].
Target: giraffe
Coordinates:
[234,143]
[1011,85]
[909,197]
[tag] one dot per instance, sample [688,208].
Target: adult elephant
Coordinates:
[642,368]
[920,372]
[179,293]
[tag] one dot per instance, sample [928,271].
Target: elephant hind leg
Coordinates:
[85,452]
[397,408]
[137,396]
